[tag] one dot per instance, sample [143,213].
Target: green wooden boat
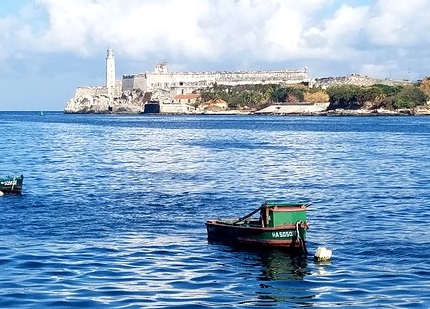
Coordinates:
[11,184]
[281,224]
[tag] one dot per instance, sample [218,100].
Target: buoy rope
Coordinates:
[299,238]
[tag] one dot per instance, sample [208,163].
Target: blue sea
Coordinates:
[113,210]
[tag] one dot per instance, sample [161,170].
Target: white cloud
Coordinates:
[193,29]
[402,24]
[344,27]
[332,37]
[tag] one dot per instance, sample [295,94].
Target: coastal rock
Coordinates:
[129,102]
[422,110]
[301,109]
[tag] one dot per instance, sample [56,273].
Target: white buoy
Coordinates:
[1,193]
[322,254]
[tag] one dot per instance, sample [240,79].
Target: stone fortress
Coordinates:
[169,90]
[187,82]
[130,94]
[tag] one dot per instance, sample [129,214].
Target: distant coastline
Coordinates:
[136,102]
[278,92]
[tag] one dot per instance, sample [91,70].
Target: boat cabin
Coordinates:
[274,213]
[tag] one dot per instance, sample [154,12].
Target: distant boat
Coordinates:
[11,184]
[282,224]
[41,113]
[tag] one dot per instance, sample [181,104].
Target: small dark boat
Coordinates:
[11,184]
[282,224]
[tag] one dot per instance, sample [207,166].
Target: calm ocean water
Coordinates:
[113,210]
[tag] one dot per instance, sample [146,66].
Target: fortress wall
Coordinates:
[135,81]
[127,83]
[172,108]
[140,82]
[186,88]
[189,81]
[177,83]
[201,80]
[261,77]
[90,91]
[169,80]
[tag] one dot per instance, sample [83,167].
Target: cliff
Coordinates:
[128,102]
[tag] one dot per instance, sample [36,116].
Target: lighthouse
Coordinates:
[110,70]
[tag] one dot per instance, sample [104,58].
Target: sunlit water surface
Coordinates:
[113,210]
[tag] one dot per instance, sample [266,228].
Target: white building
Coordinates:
[186,82]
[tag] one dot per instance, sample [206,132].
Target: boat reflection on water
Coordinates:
[277,276]
[273,263]
[279,265]
[282,280]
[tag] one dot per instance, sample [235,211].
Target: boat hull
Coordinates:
[284,236]
[11,184]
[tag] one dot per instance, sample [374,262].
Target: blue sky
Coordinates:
[49,47]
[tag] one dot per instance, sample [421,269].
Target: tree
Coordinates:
[316,97]
[368,94]
[279,94]
[409,97]
[343,96]
[295,94]
[425,86]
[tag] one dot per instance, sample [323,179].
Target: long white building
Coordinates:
[186,82]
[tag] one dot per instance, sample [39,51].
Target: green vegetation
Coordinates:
[376,96]
[340,96]
[261,95]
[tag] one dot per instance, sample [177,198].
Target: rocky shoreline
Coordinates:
[292,110]
[337,112]
[133,103]
[359,112]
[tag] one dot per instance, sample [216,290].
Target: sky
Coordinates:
[48,48]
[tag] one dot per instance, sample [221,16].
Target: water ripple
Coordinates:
[114,207]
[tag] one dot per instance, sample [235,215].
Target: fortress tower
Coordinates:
[110,70]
